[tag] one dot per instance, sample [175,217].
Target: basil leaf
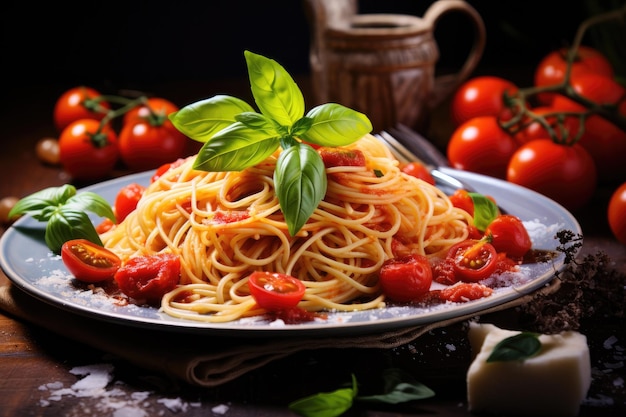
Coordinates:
[516,348]
[89,201]
[275,92]
[326,404]
[67,224]
[235,148]
[258,121]
[336,125]
[300,182]
[203,119]
[37,202]
[400,387]
[485,210]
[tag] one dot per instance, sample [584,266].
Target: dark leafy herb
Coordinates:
[516,348]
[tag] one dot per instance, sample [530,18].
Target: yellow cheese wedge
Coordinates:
[553,382]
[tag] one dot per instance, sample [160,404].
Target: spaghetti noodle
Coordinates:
[224,225]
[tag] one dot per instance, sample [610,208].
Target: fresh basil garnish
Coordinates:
[516,348]
[326,404]
[485,210]
[65,212]
[236,137]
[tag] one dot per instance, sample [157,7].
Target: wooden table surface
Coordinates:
[35,363]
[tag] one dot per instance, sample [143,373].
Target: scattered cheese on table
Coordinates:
[553,382]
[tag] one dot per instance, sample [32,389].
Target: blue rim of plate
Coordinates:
[31,266]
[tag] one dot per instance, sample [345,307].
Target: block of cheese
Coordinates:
[553,382]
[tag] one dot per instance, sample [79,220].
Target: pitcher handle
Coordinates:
[445,85]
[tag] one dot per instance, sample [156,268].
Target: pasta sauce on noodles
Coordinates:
[224,225]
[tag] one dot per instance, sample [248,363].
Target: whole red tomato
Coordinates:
[418,170]
[605,141]
[508,235]
[551,69]
[155,107]
[565,130]
[481,145]
[79,103]
[564,173]
[86,151]
[481,96]
[407,278]
[617,213]
[127,199]
[144,146]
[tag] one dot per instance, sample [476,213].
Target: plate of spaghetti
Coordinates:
[224,225]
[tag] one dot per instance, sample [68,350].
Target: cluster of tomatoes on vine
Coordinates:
[97,132]
[561,137]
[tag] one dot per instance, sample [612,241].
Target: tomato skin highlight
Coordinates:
[144,146]
[148,278]
[274,291]
[89,262]
[83,157]
[566,174]
[617,213]
[480,145]
[156,107]
[473,260]
[407,278]
[481,96]
[602,139]
[551,69]
[70,106]
[509,235]
[127,199]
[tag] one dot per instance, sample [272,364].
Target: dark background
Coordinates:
[137,44]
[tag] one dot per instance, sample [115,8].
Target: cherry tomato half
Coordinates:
[144,146]
[617,213]
[275,291]
[148,278]
[407,278]
[480,145]
[89,262]
[126,200]
[85,152]
[419,170]
[509,235]
[79,103]
[481,96]
[566,174]
[551,69]
[473,260]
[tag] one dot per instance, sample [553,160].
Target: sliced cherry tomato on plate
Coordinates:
[127,199]
[419,170]
[89,262]
[407,278]
[148,278]
[473,260]
[508,235]
[275,291]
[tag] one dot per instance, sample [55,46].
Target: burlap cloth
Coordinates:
[204,360]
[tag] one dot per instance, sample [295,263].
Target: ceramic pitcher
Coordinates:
[384,64]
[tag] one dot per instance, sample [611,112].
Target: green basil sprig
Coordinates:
[516,348]
[485,210]
[236,137]
[65,213]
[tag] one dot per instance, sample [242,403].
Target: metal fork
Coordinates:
[445,182]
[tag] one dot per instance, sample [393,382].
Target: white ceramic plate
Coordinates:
[31,266]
